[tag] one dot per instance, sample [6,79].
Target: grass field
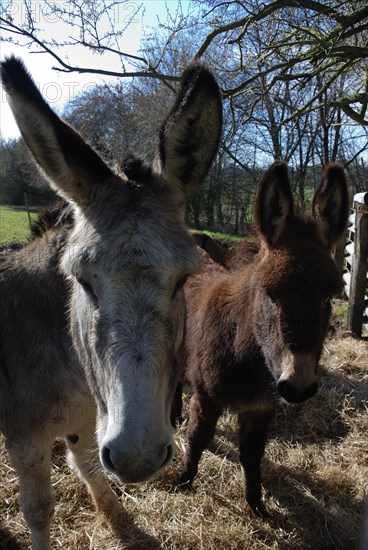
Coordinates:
[14,224]
[224,236]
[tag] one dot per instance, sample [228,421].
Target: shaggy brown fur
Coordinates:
[254,337]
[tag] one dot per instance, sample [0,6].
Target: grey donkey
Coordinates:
[93,307]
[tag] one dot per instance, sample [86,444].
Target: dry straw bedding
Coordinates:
[315,472]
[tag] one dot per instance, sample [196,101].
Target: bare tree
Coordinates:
[120,119]
[301,39]
[294,72]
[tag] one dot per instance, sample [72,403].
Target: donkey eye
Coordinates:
[180,284]
[88,288]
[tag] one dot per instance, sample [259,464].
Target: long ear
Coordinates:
[330,206]
[190,135]
[274,203]
[72,167]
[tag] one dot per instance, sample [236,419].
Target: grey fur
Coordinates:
[92,309]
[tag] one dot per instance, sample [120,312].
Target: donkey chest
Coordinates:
[239,385]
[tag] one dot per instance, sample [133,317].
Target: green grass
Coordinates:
[341,311]
[225,236]
[14,224]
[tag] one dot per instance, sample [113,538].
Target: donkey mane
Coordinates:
[54,215]
[135,169]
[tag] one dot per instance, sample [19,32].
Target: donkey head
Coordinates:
[127,259]
[296,276]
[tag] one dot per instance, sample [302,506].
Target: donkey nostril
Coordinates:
[311,391]
[294,395]
[106,460]
[282,388]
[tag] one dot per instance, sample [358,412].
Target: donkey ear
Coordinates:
[190,135]
[330,206]
[274,203]
[73,168]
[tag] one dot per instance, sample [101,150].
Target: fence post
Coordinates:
[28,212]
[339,254]
[358,280]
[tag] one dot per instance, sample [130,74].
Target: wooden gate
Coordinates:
[356,265]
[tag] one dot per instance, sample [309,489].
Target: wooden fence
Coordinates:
[356,265]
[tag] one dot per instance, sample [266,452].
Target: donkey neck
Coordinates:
[30,277]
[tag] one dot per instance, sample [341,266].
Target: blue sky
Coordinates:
[59,87]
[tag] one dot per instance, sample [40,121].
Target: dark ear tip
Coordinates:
[334,171]
[200,73]
[333,176]
[10,64]
[278,169]
[15,76]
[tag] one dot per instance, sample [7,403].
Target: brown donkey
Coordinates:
[92,308]
[254,335]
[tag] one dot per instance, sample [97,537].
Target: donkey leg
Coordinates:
[31,458]
[203,416]
[83,457]
[253,434]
